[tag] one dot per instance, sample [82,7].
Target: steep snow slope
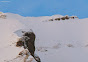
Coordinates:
[8,38]
[56,41]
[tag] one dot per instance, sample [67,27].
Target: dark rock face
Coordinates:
[28,42]
[57,19]
[66,17]
[19,43]
[63,18]
[32,37]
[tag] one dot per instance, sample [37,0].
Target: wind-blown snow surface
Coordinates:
[56,41]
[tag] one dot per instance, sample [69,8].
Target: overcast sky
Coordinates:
[46,7]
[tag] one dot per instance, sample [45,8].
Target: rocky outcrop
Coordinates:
[2,15]
[64,18]
[28,42]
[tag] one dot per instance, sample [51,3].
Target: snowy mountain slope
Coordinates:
[7,38]
[56,41]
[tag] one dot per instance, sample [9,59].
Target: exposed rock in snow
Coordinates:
[63,18]
[56,41]
[3,15]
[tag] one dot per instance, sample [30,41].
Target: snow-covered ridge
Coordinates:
[56,41]
[41,18]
